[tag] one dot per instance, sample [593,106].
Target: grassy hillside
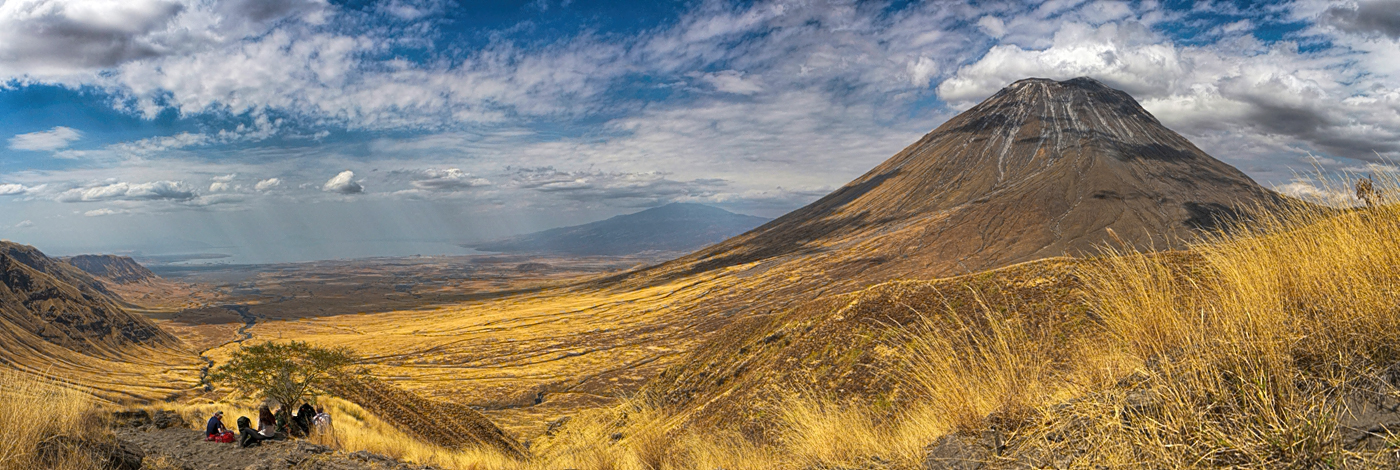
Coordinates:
[1274,347]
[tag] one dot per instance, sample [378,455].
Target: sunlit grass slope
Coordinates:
[1273,347]
[34,409]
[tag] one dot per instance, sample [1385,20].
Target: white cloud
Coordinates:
[268,184]
[122,191]
[343,183]
[24,224]
[222,183]
[50,140]
[1321,194]
[992,25]
[15,189]
[104,212]
[446,180]
[731,81]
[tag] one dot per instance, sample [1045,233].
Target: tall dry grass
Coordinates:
[1252,355]
[1251,350]
[1248,351]
[33,409]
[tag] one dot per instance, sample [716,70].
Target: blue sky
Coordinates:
[305,129]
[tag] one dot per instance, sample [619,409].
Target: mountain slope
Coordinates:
[58,321]
[118,269]
[1040,169]
[65,306]
[672,227]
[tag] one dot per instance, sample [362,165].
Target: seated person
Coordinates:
[322,420]
[247,436]
[267,424]
[214,430]
[303,418]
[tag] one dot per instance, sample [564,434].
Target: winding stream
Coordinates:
[243,335]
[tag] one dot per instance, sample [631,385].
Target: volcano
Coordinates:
[1042,168]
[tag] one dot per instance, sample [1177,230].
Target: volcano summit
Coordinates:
[1042,168]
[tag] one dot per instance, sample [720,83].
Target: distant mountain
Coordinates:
[672,227]
[118,269]
[1042,168]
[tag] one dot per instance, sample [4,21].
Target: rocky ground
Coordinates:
[165,444]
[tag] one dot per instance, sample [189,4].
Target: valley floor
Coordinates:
[1276,346]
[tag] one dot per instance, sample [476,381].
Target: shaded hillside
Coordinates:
[57,321]
[1040,169]
[65,306]
[672,227]
[118,269]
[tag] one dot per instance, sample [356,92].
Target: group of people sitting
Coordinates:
[271,426]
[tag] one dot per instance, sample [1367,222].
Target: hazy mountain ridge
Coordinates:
[115,268]
[675,227]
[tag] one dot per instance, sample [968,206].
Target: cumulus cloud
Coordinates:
[343,183]
[1366,17]
[15,189]
[24,224]
[104,212]
[57,38]
[444,180]
[268,184]
[1311,191]
[123,191]
[50,140]
[222,183]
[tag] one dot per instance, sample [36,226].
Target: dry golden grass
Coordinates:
[33,409]
[1248,352]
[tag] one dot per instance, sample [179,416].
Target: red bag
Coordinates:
[225,437]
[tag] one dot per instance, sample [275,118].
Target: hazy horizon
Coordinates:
[295,131]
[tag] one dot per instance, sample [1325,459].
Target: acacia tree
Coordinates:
[284,372]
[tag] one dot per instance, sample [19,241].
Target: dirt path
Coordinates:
[182,448]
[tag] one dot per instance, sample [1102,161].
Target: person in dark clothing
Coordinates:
[304,417]
[247,436]
[214,430]
[215,424]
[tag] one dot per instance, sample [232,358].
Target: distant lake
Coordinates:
[306,251]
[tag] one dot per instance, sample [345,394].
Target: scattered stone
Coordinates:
[131,418]
[113,454]
[168,419]
[958,452]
